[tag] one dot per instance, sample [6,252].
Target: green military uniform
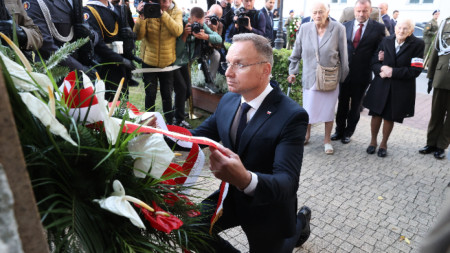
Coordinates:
[429,31]
[439,70]
[17,10]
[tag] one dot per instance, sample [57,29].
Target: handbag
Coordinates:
[327,78]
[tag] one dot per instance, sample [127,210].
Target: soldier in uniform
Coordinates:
[430,30]
[438,136]
[55,20]
[28,34]
[105,20]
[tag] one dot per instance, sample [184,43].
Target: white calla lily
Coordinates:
[150,151]
[23,80]
[118,204]
[41,111]
[112,127]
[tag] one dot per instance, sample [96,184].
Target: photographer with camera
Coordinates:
[105,19]
[248,20]
[158,26]
[28,34]
[191,45]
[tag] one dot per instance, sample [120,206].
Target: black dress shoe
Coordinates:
[382,152]
[371,150]
[439,154]
[345,139]
[336,136]
[306,231]
[427,150]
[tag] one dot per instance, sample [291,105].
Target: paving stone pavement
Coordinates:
[343,190]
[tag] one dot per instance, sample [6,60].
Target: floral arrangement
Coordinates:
[292,29]
[103,180]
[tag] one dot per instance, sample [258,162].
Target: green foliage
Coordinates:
[280,72]
[52,64]
[66,179]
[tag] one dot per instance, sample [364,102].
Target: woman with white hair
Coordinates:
[321,42]
[391,96]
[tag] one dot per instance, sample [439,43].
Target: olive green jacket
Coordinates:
[438,67]
[34,36]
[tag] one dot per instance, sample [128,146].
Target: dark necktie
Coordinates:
[357,36]
[242,123]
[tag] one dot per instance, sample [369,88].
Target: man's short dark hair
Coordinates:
[394,12]
[197,12]
[363,2]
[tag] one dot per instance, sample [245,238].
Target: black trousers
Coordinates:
[348,114]
[259,241]
[112,74]
[165,88]
[181,87]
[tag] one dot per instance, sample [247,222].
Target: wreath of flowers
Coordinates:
[293,28]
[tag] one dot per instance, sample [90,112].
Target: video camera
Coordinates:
[242,16]
[152,9]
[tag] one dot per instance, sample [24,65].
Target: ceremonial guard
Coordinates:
[58,24]
[430,31]
[28,34]
[438,136]
[105,19]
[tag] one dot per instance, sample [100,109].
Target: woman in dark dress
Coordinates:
[391,97]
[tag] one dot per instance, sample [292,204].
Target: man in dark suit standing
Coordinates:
[267,11]
[386,19]
[363,37]
[262,131]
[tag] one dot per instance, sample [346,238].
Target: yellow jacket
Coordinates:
[159,36]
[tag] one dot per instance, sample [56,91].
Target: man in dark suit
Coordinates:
[267,11]
[262,131]
[386,19]
[395,14]
[363,37]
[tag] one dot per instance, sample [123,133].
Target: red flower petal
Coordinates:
[161,222]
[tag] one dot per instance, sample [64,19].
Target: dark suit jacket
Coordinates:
[387,22]
[272,147]
[359,58]
[401,87]
[269,24]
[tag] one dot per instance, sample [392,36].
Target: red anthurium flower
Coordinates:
[171,198]
[160,219]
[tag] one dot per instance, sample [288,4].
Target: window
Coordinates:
[421,1]
[338,1]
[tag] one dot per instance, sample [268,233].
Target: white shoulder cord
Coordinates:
[53,31]
[443,48]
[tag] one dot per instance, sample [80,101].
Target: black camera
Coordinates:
[214,19]
[151,9]
[242,14]
[196,27]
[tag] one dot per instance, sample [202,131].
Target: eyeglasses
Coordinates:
[238,66]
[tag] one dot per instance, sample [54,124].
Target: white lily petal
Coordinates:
[122,207]
[22,79]
[150,151]
[86,81]
[41,111]
[118,204]
[112,127]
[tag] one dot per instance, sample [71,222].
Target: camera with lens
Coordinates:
[196,27]
[214,19]
[242,14]
[151,9]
